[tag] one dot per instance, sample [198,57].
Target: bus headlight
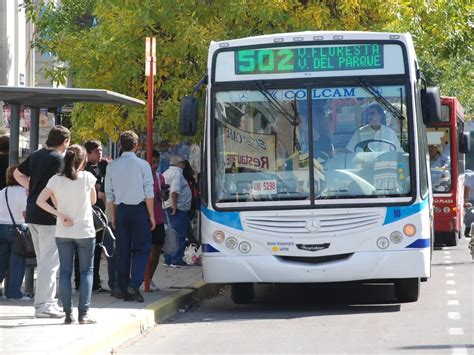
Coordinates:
[245,247]
[396,237]
[218,236]
[446,209]
[437,210]
[231,243]
[409,230]
[383,243]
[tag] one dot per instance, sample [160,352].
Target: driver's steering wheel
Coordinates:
[364,145]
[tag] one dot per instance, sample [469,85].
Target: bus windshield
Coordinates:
[314,143]
[439,145]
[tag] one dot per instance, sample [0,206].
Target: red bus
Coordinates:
[448,142]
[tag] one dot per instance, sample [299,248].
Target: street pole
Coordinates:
[150,53]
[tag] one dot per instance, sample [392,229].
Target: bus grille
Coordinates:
[315,259]
[322,223]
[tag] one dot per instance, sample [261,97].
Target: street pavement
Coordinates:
[117,321]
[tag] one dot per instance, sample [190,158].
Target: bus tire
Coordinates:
[407,290]
[242,293]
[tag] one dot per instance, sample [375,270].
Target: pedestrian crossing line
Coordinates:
[459,350]
[447,252]
[449,274]
[447,256]
[448,262]
[456,331]
[451,292]
[449,268]
[453,303]
[454,315]
[450,282]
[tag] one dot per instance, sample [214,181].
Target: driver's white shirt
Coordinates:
[367,133]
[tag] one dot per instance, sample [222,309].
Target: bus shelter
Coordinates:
[37,98]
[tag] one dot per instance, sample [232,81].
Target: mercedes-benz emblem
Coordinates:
[312,225]
[243,96]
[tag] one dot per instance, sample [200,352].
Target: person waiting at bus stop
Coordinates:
[374,135]
[177,207]
[130,198]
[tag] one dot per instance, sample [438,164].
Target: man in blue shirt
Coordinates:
[129,193]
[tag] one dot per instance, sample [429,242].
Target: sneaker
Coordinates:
[179,266]
[49,313]
[86,319]
[134,295]
[57,307]
[22,299]
[101,290]
[153,287]
[69,318]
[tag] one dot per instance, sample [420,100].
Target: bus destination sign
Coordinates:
[309,59]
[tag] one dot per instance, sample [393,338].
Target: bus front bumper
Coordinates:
[359,266]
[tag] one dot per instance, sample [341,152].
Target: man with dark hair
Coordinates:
[374,135]
[129,192]
[4,149]
[94,157]
[33,174]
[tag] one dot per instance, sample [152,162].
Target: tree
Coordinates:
[102,42]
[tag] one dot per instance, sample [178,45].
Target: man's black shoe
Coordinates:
[116,292]
[135,295]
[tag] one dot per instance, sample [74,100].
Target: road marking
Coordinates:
[453,303]
[450,282]
[451,292]
[459,350]
[449,268]
[454,315]
[446,252]
[449,274]
[448,262]
[456,331]
[447,256]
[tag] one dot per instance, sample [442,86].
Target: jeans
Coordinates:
[133,244]
[10,262]
[179,221]
[85,252]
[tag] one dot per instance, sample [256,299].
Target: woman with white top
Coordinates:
[10,262]
[73,194]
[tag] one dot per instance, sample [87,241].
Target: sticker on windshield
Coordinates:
[264,187]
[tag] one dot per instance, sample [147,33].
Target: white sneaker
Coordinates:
[50,312]
[153,287]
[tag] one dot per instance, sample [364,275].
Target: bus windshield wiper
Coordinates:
[275,104]
[395,111]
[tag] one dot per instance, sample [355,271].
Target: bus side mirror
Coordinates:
[431,101]
[188,116]
[465,143]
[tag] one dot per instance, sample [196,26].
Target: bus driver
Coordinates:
[372,135]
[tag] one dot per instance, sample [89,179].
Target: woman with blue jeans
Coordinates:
[73,193]
[10,262]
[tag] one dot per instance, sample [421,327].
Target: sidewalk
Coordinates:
[117,321]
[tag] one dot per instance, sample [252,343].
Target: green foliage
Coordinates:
[110,54]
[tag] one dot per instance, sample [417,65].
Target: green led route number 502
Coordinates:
[265,61]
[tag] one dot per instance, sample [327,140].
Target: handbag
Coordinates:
[101,224]
[22,243]
[100,219]
[170,245]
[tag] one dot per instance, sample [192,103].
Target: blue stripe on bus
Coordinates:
[420,243]
[228,219]
[208,248]
[395,214]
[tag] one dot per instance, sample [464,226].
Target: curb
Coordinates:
[169,305]
[145,319]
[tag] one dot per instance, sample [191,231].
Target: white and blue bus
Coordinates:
[314,161]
